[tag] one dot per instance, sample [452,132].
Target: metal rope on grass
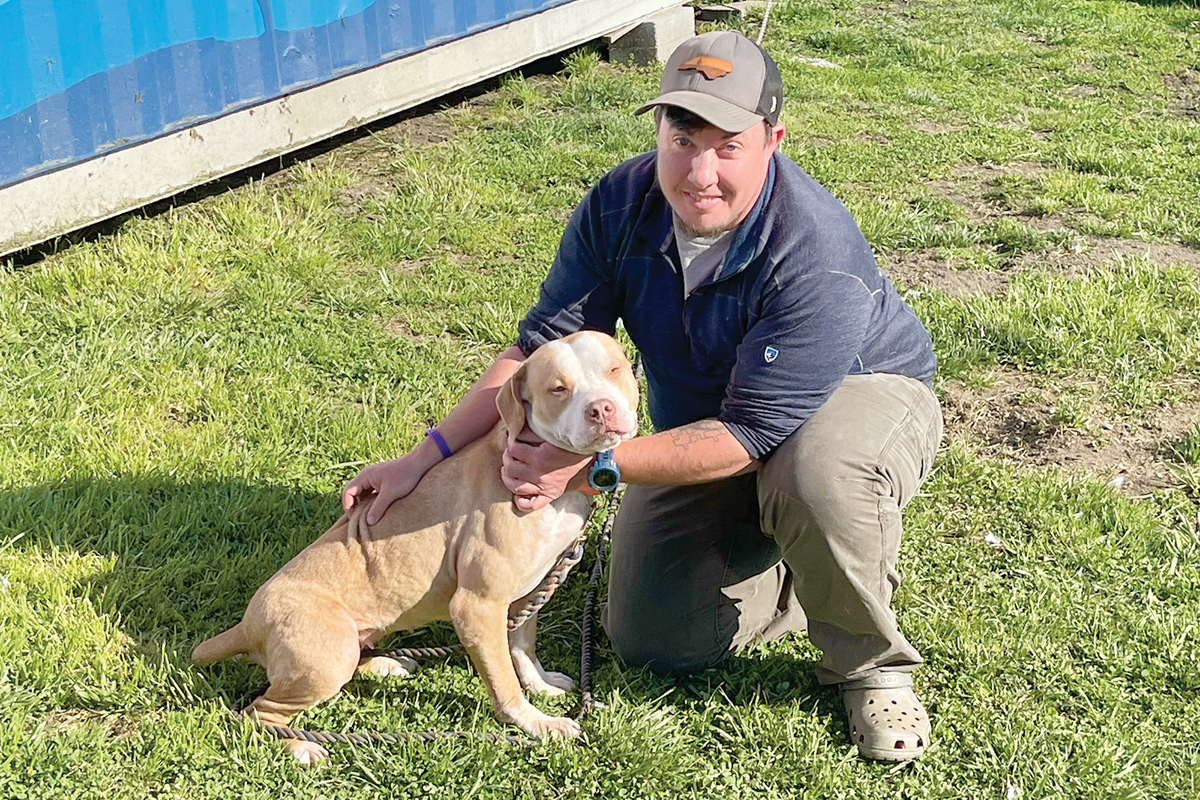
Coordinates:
[587,632]
[416,652]
[372,737]
[557,575]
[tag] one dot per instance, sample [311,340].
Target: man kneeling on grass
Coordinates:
[788,383]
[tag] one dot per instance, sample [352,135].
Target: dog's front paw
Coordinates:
[560,681]
[400,667]
[310,754]
[537,724]
[552,683]
[537,680]
[562,727]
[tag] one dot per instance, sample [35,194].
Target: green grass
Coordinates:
[1136,323]
[181,401]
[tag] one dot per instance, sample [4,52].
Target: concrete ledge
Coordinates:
[729,11]
[654,39]
[55,203]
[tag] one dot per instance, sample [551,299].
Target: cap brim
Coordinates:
[714,110]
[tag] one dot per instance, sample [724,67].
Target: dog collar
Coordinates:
[604,474]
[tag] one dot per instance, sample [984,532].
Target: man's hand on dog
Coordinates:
[537,472]
[387,481]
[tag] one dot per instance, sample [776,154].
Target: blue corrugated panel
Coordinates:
[83,77]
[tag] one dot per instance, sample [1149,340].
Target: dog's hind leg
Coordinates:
[482,628]
[522,646]
[303,673]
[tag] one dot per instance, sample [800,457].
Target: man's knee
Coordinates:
[874,438]
[663,644]
[802,486]
[674,549]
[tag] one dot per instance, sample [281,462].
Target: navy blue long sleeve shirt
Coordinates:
[798,304]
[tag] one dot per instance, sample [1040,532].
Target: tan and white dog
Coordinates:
[455,548]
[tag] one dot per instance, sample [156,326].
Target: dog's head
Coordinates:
[578,393]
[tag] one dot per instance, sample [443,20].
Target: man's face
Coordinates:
[711,177]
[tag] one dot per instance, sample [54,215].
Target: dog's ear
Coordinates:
[510,404]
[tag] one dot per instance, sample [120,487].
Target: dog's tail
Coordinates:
[230,643]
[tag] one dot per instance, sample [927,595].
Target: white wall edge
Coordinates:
[44,206]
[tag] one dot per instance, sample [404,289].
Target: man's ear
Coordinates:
[511,405]
[775,135]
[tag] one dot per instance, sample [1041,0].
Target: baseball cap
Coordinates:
[723,78]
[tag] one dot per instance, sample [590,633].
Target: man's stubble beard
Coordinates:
[707,233]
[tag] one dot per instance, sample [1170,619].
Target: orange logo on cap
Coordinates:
[708,66]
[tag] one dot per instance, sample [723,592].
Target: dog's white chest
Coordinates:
[559,526]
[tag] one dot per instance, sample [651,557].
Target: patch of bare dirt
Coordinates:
[1095,252]
[373,156]
[982,190]
[428,129]
[925,126]
[870,136]
[72,719]
[401,330]
[1035,420]
[354,198]
[1186,84]
[908,9]
[926,269]
[1024,419]
[1084,254]
[970,184]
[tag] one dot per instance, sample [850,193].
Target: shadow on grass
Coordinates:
[771,679]
[182,559]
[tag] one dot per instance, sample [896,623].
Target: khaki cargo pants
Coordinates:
[809,541]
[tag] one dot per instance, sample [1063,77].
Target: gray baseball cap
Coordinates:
[723,78]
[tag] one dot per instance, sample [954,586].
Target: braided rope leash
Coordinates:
[536,601]
[552,581]
[372,737]
[587,634]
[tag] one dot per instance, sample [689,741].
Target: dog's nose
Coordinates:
[602,411]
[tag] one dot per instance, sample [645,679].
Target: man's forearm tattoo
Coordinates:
[706,430]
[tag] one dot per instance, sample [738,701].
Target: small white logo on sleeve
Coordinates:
[770,354]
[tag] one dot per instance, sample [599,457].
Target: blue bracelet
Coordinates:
[440,441]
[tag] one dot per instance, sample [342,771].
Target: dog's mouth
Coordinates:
[606,437]
[608,441]
[596,440]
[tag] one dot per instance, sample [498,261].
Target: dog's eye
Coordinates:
[559,390]
[614,369]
